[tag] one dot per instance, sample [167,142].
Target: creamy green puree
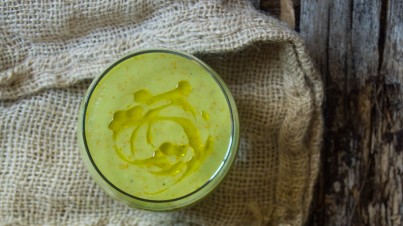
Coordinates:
[158,126]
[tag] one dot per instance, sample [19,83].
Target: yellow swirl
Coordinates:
[169,158]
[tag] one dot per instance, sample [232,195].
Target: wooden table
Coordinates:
[357,46]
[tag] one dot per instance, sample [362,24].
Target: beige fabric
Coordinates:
[50,50]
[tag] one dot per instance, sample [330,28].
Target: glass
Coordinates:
[158,130]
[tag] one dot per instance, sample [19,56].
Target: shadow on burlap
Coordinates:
[49,53]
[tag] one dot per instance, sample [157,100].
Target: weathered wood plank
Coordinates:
[387,205]
[358,47]
[314,19]
[392,66]
[365,38]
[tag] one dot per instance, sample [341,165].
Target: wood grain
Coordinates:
[358,48]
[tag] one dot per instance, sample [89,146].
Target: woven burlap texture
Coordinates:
[50,50]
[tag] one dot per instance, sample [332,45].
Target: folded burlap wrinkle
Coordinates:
[50,51]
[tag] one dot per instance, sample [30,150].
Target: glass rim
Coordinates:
[232,147]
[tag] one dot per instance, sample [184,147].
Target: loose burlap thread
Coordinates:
[50,50]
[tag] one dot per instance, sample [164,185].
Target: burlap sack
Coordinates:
[50,50]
